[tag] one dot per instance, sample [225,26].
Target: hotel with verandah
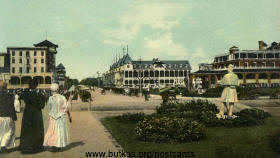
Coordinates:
[155,73]
[255,68]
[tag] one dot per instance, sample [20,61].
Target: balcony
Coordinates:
[23,86]
[267,67]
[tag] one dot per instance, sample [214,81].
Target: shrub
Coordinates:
[213,92]
[189,93]
[274,141]
[200,110]
[169,129]
[132,117]
[205,112]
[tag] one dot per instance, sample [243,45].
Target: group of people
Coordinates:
[32,137]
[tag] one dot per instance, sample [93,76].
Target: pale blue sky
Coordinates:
[90,32]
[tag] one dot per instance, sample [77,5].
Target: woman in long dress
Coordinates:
[57,133]
[7,118]
[32,129]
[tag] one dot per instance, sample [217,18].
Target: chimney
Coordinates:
[261,47]
[233,49]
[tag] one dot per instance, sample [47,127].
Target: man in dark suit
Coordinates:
[7,118]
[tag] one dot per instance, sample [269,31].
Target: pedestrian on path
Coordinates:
[7,118]
[32,128]
[57,133]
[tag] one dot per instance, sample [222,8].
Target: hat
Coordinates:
[54,87]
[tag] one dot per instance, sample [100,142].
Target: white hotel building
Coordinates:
[154,73]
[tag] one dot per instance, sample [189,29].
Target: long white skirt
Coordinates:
[57,133]
[7,132]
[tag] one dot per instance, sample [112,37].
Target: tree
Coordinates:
[91,82]
[70,82]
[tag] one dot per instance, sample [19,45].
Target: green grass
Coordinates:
[220,142]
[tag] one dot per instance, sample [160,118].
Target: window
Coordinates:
[13,70]
[13,60]
[13,53]
[42,53]
[27,54]
[42,60]
[269,55]
[35,61]
[27,70]
[252,55]
[126,73]
[27,61]
[243,55]
[20,70]
[260,55]
[35,53]
[20,60]
[35,69]
[20,53]
[42,69]
[236,56]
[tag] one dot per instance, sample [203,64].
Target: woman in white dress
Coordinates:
[57,132]
[17,103]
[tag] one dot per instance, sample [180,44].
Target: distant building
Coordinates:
[155,73]
[255,68]
[28,63]
[4,67]
[60,73]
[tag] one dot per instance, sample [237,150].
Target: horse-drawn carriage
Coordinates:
[168,94]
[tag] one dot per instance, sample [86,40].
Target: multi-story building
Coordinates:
[255,68]
[4,67]
[155,73]
[60,74]
[28,63]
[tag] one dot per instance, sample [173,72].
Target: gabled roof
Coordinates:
[169,63]
[122,61]
[60,66]
[45,43]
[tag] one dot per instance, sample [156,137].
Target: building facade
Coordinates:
[28,63]
[4,67]
[255,68]
[60,75]
[155,73]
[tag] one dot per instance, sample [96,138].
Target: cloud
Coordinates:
[164,46]
[159,16]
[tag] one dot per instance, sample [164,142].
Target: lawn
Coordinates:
[220,142]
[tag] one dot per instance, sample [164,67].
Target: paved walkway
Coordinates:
[86,134]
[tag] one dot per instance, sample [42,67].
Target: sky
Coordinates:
[90,33]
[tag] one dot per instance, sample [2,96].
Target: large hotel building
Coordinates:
[21,64]
[255,68]
[155,73]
